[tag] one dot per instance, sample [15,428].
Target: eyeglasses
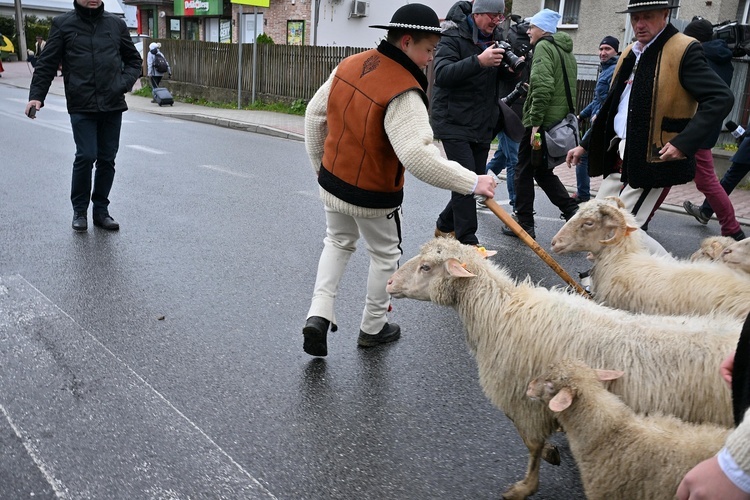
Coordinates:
[495,17]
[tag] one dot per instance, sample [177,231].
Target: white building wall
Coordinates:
[335,27]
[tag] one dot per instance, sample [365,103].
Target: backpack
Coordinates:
[160,63]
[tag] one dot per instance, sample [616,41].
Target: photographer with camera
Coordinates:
[506,155]
[465,114]
[546,104]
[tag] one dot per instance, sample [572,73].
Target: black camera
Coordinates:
[736,35]
[521,89]
[510,58]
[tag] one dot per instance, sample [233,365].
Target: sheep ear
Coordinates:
[485,253]
[457,270]
[562,400]
[608,374]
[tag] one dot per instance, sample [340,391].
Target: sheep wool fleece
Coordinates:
[406,124]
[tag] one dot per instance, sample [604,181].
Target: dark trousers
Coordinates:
[155,81]
[97,138]
[730,180]
[525,176]
[460,214]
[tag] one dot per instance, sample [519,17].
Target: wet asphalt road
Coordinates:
[165,360]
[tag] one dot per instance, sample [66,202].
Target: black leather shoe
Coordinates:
[105,221]
[528,228]
[315,332]
[389,333]
[695,211]
[79,221]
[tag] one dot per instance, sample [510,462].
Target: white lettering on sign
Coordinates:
[196,4]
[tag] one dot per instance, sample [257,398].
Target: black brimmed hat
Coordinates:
[643,5]
[413,17]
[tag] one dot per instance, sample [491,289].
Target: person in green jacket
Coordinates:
[546,104]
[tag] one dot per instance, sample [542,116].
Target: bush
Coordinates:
[264,39]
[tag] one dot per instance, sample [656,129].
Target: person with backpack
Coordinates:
[157,65]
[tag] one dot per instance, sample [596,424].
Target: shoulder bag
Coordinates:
[563,135]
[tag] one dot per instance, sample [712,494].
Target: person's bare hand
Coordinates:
[492,56]
[669,152]
[534,131]
[706,481]
[37,105]
[486,185]
[574,156]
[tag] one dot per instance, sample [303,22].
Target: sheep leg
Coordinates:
[530,483]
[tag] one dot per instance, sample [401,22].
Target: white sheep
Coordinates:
[737,256]
[644,456]
[516,329]
[626,276]
[711,248]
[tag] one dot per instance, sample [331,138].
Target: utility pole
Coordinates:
[315,23]
[21,31]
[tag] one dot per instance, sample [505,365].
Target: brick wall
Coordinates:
[281,11]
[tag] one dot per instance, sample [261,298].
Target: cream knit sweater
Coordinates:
[408,128]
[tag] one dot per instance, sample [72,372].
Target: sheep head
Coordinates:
[712,247]
[433,273]
[598,223]
[737,255]
[563,381]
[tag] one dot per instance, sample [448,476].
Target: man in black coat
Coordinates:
[663,99]
[100,64]
[464,109]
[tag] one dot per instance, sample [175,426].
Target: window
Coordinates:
[568,9]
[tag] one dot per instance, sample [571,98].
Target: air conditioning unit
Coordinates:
[360,8]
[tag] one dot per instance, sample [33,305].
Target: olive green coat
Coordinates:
[547,103]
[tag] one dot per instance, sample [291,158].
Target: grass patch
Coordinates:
[298,107]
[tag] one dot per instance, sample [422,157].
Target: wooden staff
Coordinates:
[531,243]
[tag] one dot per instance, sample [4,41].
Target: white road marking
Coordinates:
[58,488]
[150,387]
[39,122]
[47,107]
[147,149]
[216,168]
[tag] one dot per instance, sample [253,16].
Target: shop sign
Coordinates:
[198,7]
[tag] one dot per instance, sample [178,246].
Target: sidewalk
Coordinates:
[292,127]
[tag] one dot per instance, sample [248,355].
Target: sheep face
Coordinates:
[431,275]
[712,247]
[597,224]
[560,385]
[737,255]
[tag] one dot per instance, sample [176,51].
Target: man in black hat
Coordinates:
[363,127]
[664,96]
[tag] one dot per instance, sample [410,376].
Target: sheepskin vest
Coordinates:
[658,99]
[359,165]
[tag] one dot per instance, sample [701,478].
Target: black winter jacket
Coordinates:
[99,61]
[465,99]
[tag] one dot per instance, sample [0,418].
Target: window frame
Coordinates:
[560,11]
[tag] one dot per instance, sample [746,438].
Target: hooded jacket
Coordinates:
[465,98]
[547,101]
[100,62]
